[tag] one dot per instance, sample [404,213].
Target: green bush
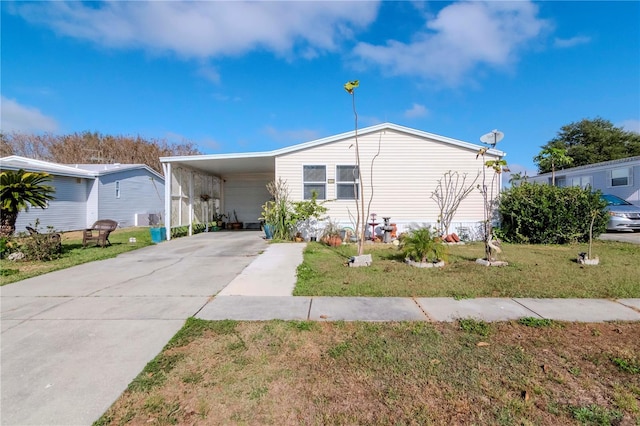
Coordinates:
[42,246]
[179,231]
[544,214]
[421,245]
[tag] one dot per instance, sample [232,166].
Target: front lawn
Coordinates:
[414,373]
[533,271]
[74,254]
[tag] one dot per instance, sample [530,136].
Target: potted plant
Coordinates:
[218,220]
[236,224]
[331,234]
[269,217]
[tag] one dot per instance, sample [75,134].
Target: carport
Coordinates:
[199,187]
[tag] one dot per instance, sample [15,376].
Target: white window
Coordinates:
[621,177]
[561,181]
[314,179]
[117,189]
[347,182]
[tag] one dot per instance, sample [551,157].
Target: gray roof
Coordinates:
[87,171]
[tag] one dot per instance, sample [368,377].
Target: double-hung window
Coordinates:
[117,189]
[620,177]
[314,179]
[347,183]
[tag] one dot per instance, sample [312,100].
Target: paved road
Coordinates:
[627,237]
[73,340]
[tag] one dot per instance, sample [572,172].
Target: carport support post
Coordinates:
[190,203]
[167,198]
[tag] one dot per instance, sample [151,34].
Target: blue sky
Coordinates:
[239,77]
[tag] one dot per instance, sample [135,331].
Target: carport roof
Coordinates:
[264,162]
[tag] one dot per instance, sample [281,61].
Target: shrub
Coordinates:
[544,214]
[42,246]
[421,245]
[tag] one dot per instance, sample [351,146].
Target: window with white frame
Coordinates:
[561,181]
[117,189]
[346,182]
[581,181]
[314,178]
[620,177]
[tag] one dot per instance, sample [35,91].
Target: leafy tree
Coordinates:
[552,158]
[19,190]
[518,177]
[593,141]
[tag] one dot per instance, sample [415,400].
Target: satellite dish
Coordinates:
[493,137]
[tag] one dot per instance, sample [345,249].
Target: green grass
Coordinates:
[533,271]
[385,373]
[74,254]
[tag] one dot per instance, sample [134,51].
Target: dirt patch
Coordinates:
[393,373]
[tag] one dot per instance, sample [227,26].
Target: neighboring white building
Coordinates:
[618,177]
[408,163]
[126,193]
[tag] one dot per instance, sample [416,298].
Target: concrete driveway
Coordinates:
[72,340]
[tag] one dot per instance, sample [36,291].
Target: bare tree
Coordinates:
[450,191]
[92,147]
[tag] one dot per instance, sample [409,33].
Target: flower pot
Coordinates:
[158,234]
[335,241]
[235,225]
[268,231]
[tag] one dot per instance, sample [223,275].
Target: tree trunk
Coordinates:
[7,223]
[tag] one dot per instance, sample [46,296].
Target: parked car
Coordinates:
[623,216]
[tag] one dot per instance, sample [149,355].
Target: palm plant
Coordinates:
[421,245]
[19,190]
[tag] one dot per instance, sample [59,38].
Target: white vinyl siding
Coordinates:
[347,187]
[405,174]
[314,178]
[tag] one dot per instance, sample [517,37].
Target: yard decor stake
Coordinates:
[491,244]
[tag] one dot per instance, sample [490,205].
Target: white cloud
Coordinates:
[209,28]
[19,118]
[570,42]
[210,73]
[631,125]
[416,111]
[462,37]
[291,136]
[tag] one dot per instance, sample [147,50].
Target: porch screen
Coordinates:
[314,179]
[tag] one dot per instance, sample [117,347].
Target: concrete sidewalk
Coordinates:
[257,308]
